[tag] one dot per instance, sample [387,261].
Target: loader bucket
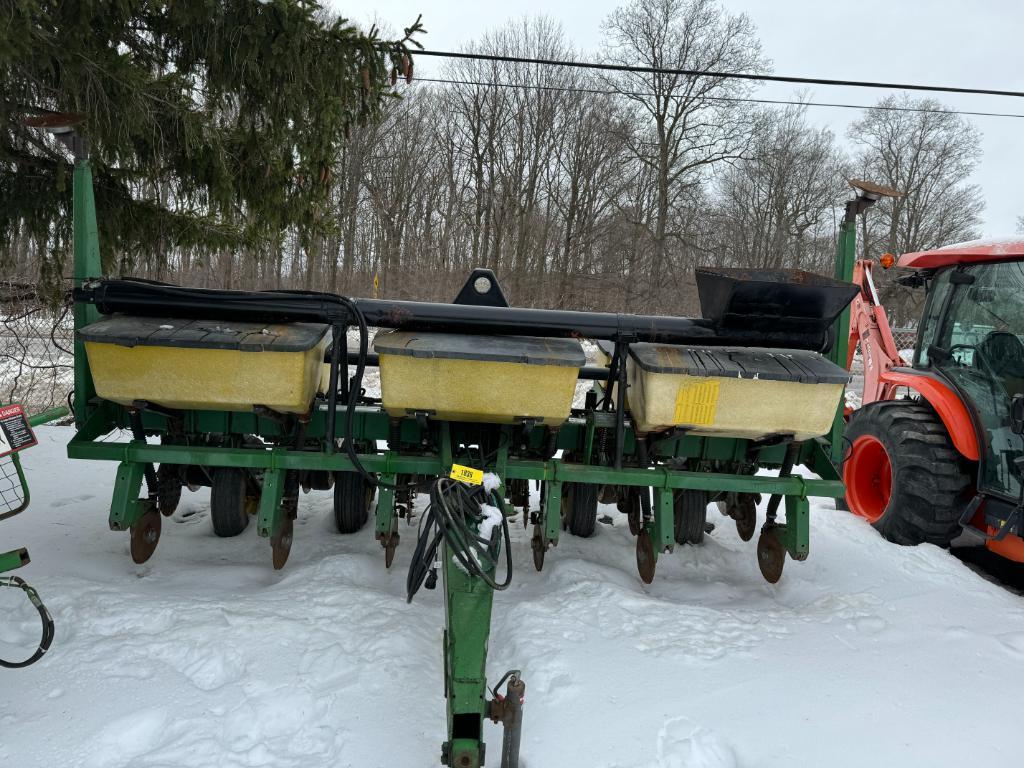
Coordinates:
[785,299]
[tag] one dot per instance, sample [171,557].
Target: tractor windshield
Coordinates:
[972,332]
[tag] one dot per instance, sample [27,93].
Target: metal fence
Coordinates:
[36,343]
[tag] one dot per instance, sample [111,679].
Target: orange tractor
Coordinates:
[936,447]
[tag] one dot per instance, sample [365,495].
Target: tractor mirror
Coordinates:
[1017,414]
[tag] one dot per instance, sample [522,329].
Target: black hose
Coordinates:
[47,638]
[454,515]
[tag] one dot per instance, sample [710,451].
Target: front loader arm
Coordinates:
[869,328]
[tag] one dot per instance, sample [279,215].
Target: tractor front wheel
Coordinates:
[902,473]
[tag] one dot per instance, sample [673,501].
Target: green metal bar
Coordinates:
[271,513]
[658,477]
[468,603]
[126,507]
[588,442]
[45,417]
[663,526]
[87,266]
[795,535]
[846,255]
[384,518]
[552,512]
[16,558]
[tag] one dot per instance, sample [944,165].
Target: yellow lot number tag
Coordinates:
[466,474]
[696,403]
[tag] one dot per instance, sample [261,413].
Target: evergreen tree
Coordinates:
[210,123]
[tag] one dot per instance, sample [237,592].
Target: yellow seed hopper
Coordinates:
[206,364]
[496,379]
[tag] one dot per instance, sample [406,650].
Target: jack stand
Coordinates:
[508,710]
[468,603]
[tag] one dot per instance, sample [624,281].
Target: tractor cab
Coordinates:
[972,338]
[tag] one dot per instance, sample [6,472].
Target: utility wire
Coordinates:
[709,73]
[599,92]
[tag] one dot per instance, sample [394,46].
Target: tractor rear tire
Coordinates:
[352,499]
[579,508]
[691,516]
[228,504]
[902,473]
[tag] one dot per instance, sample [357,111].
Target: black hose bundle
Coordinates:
[455,514]
[47,637]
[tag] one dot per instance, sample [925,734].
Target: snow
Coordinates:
[866,654]
[1000,246]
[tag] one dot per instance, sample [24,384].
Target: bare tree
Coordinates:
[928,155]
[776,206]
[684,124]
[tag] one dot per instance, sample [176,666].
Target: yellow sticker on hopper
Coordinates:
[466,474]
[695,403]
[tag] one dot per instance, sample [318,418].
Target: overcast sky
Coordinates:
[974,44]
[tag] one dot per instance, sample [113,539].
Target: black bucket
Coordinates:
[788,299]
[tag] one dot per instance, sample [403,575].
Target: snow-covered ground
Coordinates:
[868,654]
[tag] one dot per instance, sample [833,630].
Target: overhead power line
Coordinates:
[709,73]
[600,92]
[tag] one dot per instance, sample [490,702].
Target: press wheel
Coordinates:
[691,516]
[353,496]
[745,517]
[742,508]
[230,504]
[771,555]
[168,485]
[145,535]
[281,543]
[645,559]
[629,505]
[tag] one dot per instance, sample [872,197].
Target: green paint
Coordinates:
[467,628]
[87,266]
[126,507]
[795,535]
[45,417]
[271,512]
[384,518]
[552,512]
[13,559]
[663,526]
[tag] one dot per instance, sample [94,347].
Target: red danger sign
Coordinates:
[15,433]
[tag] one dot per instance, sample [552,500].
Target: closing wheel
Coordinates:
[169,478]
[629,505]
[691,515]
[902,473]
[352,499]
[645,558]
[281,543]
[771,555]
[742,508]
[746,519]
[230,504]
[579,508]
[145,535]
